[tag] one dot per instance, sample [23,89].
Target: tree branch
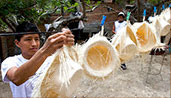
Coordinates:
[13,21]
[57,25]
[92,8]
[84,8]
[28,8]
[6,21]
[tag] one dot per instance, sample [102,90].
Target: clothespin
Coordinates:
[144,14]
[102,24]
[163,7]
[128,16]
[169,5]
[155,10]
[103,20]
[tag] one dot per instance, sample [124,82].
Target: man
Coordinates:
[22,70]
[118,25]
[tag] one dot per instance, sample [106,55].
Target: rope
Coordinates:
[22,33]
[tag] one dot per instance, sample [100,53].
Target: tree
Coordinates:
[13,12]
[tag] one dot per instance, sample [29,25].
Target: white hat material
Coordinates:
[99,57]
[125,43]
[62,77]
[162,26]
[166,15]
[146,37]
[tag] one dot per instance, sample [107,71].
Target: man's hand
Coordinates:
[69,37]
[53,43]
[57,41]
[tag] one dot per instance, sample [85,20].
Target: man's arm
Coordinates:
[113,30]
[21,74]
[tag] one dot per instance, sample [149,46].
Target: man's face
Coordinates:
[29,45]
[120,18]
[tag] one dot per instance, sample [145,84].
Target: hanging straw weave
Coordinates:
[146,37]
[62,77]
[125,43]
[162,26]
[99,57]
[166,15]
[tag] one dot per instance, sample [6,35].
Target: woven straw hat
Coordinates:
[99,57]
[166,15]
[62,77]
[125,43]
[162,26]
[146,36]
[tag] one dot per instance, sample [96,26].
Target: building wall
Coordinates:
[111,15]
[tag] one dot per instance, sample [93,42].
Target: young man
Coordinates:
[118,25]
[22,70]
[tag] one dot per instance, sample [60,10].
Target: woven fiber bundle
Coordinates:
[62,77]
[146,37]
[162,26]
[166,15]
[125,43]
[167,38]
[99,57]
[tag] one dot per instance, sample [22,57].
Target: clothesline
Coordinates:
[21,33]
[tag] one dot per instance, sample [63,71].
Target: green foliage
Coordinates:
[3,26]
[154,2]
[32,10]
[88,2]
[35,10]
[23,10]
[99,2]
[132,1]
[69,7]
[90,5]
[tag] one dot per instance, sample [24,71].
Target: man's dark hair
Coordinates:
[25,27]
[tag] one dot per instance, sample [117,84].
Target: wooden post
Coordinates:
[10,45]
[4,48]
[138,4]
[0,51]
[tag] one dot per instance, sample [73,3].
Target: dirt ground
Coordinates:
[127,83]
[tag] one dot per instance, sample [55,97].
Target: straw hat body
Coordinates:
[167,38]
[62,77]
[162,26]
[166,15]
[125,43]
[99,57]
[146,37]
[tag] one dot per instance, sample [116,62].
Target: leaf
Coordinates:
[65,8]
[76,4]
